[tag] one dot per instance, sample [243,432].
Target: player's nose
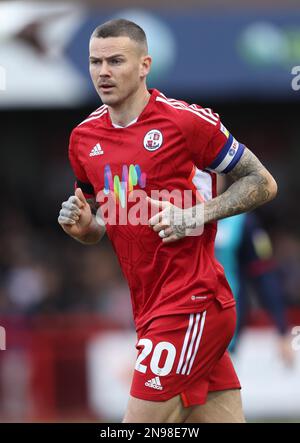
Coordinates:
[104,70]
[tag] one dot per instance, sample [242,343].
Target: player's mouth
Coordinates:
[106,88]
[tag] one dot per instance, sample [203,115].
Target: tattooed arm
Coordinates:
[253,186]
[78,221]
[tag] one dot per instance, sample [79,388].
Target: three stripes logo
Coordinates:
[97,150]
[191,343]
[154,383]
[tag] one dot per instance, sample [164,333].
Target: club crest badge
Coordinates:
[153,140]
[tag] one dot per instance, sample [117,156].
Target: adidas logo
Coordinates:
[154,383]
[97,150]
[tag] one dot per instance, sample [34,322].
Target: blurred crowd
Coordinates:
[44,272]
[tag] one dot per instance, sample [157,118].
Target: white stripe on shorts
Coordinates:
[191,344]
[186,339]
[198,341]
[188,359]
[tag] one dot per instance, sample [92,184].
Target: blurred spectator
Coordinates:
[244,249]
[40,272]
[287,254]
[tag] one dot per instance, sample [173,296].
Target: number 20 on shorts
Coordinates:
[156,356]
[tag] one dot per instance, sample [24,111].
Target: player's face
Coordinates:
[118,67]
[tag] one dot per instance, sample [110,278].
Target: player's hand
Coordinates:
[75,216]
[173,223]
[169,222]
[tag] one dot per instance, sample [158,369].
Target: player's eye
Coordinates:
[116,61]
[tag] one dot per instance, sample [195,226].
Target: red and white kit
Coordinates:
[186,354]
[171,146]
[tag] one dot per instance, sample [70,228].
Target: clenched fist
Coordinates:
[75,216]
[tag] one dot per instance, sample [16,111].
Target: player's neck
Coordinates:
[130,109]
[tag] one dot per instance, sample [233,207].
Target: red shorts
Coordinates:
[185,354]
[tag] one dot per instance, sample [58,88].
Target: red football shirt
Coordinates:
[171,146]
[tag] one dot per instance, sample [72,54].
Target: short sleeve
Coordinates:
[82,180]
[211,144]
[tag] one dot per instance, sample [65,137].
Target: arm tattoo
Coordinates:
[253,186]
[179,230]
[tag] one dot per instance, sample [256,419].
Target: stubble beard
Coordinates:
[113,101]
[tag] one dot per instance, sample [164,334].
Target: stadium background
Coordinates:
[65,307]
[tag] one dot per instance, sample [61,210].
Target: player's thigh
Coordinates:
[220,407]
[144,411]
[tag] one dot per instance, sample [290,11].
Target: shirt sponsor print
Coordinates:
[131,176]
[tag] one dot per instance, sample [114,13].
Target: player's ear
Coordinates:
[145,65]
